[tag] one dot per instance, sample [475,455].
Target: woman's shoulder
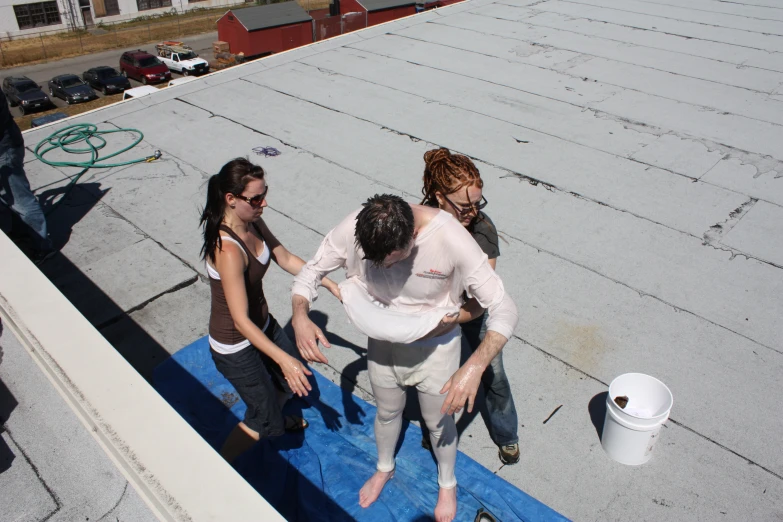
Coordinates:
[486,235]
[483,225]
[228,246]
[483,216]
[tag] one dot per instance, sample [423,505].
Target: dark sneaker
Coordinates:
[39,257]
[509,454]
[482,515]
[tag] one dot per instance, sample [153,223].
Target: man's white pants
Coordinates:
[427,365]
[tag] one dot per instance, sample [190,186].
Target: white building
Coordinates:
[24,17]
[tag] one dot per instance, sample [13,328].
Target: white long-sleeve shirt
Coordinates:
[444,262]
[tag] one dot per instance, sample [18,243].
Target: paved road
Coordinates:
[43,72]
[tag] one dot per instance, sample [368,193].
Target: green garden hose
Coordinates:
[85,138]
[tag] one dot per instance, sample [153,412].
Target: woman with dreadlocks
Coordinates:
[248,346]
[453,183]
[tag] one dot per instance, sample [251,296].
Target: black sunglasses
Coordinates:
[474,208]
[255,201]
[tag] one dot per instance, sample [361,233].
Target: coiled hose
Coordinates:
[85,138]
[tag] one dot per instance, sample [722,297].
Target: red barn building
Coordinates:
[378,11]
[432,4]
[265,29]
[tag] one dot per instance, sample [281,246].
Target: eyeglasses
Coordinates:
[255,201]
[473,208]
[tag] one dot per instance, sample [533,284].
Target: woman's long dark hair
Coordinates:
[232,179]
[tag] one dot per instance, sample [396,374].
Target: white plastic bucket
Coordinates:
[630,434]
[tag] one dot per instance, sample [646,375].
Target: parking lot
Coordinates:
[42,73]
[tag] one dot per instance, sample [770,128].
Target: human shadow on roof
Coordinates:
[7,404]
[65,207]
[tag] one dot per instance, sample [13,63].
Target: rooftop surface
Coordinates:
[50,466]
[631,157]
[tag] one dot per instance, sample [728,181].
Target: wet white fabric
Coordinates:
[427,365]
[443,431]
[382,322]
[444,262]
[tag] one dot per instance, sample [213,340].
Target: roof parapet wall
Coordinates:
[172,468]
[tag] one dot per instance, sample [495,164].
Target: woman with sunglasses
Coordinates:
[247,345]
[453,183]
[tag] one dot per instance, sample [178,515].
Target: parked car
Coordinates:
[70,88]
[180,81]
[106,79]
[138,92]
[143,67]
[23,92]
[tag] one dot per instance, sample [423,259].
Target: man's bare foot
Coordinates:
[446,509]
[373,487]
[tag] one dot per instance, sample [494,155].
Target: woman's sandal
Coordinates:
[294,424]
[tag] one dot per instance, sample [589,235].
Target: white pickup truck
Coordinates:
[182,59]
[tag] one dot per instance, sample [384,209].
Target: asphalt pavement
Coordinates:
[43,72]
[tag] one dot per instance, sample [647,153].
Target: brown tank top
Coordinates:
[221,325]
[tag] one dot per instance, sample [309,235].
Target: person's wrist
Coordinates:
[476,364]
[281,358]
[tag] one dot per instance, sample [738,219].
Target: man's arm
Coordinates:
[472,309]
[331,255]
[306,332]
[463,385]
[486,287]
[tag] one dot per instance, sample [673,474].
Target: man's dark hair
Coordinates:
[384,225]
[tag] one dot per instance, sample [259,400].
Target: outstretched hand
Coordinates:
[308,335]
[296,376]
[462,387]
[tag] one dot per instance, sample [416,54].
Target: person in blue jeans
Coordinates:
[453,183]
[15,193]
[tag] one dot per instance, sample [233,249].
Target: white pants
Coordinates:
[427,365]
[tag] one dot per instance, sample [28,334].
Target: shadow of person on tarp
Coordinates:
[348,378]
[271,465]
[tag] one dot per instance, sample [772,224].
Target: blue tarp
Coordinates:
[316,475]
